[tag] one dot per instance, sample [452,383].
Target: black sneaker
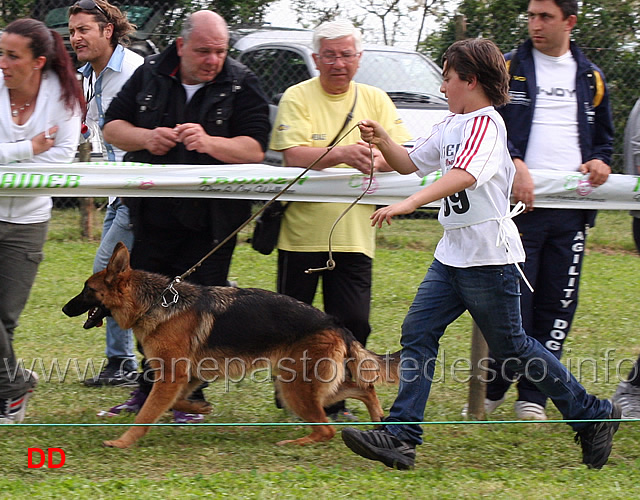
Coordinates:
[628,397]
[597,439]
[117,373]
[380,445]
[343,415]
[12,410]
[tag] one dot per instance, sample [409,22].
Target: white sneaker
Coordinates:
[526,410]
[628,397]
[489,406]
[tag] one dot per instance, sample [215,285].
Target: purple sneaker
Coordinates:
[180,417]
[131,405]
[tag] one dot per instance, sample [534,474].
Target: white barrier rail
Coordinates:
[262,182]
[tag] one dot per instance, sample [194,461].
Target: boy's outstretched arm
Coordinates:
[396,155]
[454,181]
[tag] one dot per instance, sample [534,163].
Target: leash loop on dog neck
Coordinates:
[174,293]
[331,264]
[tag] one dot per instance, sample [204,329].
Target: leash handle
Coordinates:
[331,264]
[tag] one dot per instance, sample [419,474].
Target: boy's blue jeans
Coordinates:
[491,294]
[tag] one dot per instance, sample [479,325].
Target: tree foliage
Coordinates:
[608,31]
[251,12]
[503,21]
[245,12]
[310,13]
[385,20]
[13,9]
[235,12]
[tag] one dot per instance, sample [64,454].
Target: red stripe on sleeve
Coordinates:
[471,147]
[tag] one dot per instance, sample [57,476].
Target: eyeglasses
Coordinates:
[332,58]
[90,5]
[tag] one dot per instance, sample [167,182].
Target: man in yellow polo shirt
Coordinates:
[312,115]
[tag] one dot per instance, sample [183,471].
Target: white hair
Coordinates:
[330,30]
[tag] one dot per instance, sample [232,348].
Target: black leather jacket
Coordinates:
[231,105]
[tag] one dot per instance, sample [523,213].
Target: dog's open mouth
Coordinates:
[95,317]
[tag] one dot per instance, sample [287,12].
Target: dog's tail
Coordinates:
[367,367]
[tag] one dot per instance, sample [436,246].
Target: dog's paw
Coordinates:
[118,443]
[189,406]
[206,408]
[285,442]
[300,442]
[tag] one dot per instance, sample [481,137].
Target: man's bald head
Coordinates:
[204,20]
[202,47]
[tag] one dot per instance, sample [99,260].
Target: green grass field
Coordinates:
[458,460]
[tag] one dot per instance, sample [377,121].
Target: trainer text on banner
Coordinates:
[262,182]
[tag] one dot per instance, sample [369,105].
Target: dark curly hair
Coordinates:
[122,28]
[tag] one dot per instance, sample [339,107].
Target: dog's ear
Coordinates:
[119,262]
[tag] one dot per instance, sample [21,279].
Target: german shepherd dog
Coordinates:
[190,332]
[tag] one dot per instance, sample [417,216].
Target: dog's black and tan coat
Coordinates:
[213,332]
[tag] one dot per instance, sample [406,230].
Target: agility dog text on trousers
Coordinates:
[316,361]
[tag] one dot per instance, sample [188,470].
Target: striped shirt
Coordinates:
[473,218]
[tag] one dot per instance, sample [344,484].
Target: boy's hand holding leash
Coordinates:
[373,133]
[397,157]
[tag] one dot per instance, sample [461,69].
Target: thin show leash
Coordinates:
[337,424]
[330,263]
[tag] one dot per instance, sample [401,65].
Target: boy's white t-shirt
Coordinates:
[478,231]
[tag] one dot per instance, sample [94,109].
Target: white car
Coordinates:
[281,58]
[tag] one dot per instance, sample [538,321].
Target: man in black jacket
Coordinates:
[191,104]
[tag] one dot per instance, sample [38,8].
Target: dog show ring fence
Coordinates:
[554,189]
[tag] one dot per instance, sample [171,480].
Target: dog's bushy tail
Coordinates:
[367,367]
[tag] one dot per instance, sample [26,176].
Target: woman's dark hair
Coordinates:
[49,43]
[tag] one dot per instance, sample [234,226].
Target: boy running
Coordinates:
[476,262]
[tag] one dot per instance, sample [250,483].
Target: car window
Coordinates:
[399,72]
[277,69]
[137,14]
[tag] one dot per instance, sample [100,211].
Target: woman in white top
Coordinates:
[41,106]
